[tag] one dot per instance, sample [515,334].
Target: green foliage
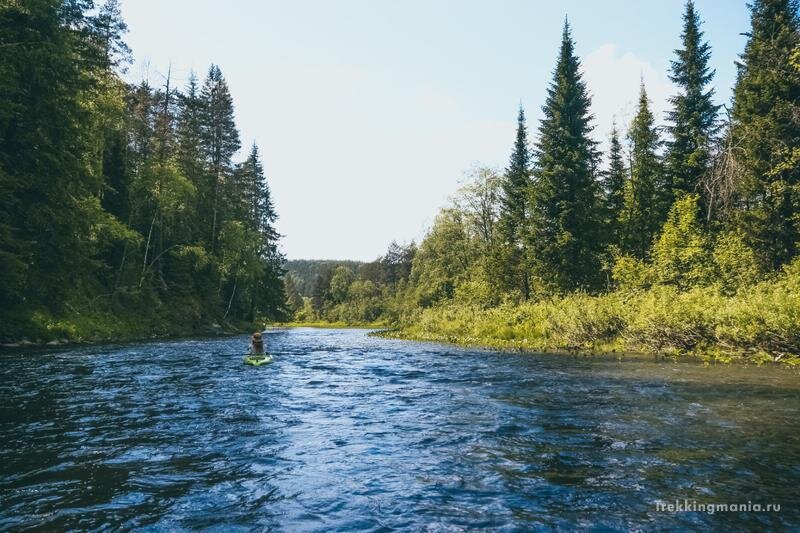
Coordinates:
[577,321]
[477,287]
[238,251]
[306,313]
[664,319]
[133,194]
[646,198]
[294,302]
[196,255]
[479,200]
[766,318]
[348,292]
[340,284]
[52,70]
[443,259]
[305,271]
[511,250]
[630,273]
[763,321]
[683,256]
[693,118]
[613,182]
[682,283]
[128,192]
[766,131]
[219,141]
[682,252]
[737,266]
[566,213]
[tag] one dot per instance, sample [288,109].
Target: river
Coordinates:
[349,432]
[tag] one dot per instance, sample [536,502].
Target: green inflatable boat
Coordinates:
[257,360]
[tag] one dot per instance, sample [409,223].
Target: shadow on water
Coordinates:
[345,431]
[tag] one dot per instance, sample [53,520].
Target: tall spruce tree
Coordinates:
[189,154]
[646,193]
[613,184]
[252,198]
[107,31]
[766,131]
[513,221]
[256,209]
[566,211]
[219,142]
[693,118]
[189,131]
[50,68]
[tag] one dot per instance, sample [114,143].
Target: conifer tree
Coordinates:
[252,204]
[613,183]
[255,196]
[189,131]
[766,131]
[565,214]
[693,118]
[294,302]
[97,178]
[243,191]
[188,139]
[646,195]
[220,141]
[49,66]
[107,31]
[513,221]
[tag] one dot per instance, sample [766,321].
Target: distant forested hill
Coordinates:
[305,271]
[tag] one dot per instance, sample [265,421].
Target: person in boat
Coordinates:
[257,344]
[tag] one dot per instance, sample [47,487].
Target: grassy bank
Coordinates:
[122,320]
[329,325]
[104,328]
[759,324]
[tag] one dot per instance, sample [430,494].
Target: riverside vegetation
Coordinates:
[681,241]
[123,211]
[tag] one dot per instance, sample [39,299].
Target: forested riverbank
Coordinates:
[680,240]
[129,212]
[125,211]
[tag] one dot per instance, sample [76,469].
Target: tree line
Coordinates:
[122,200]
[564,221]
[348,291]
[706,208]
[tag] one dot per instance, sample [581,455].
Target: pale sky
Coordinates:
[368,112]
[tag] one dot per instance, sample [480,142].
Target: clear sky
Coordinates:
[368,112]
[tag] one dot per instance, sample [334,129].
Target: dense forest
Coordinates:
[679,239]
[303,272]
[124,211]
[128,211]
[348,292]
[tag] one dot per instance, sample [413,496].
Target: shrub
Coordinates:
[630,273]
[736,264]
[665,319]
[681,253]
[766,318]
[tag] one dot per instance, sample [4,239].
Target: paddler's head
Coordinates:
[257,336]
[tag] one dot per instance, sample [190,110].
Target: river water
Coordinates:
[349,432]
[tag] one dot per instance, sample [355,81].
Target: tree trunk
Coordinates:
[147,248]
[233,292]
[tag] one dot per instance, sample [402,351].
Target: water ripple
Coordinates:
[349,432]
